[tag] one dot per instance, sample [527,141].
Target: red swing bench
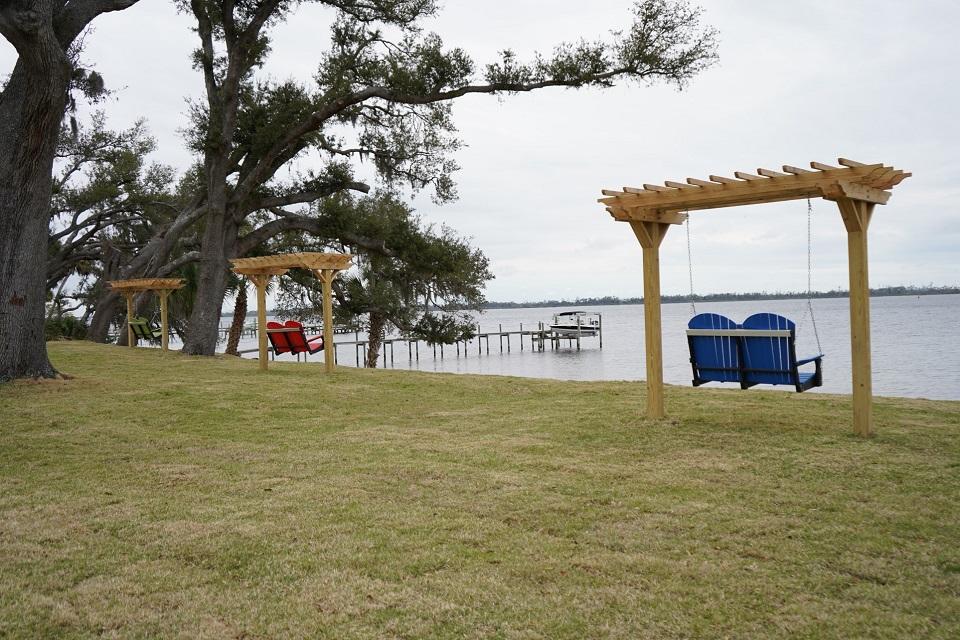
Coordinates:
[290,338]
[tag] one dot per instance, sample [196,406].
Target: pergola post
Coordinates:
[260,280]
[650,235]
[856,218]
[326,277]
[131,339]
[164,320]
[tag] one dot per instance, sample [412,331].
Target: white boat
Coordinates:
[574,322]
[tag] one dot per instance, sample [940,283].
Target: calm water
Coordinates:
[915,342]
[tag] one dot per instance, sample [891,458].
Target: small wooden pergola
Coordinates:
[324,266]
[163,286]
[856,188]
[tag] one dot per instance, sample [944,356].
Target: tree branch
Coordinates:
[305,196]
[293,222]
[185,259]
[77,14]
[317,119]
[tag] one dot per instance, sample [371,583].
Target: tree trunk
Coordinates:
[219,244]
[151,261]
[31,109]
[378,323]
[220,234]
[32,105]
[108,307]
[239,317]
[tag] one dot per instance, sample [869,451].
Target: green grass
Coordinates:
[155,495]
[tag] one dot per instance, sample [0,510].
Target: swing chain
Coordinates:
[693,304]
[809,248]
[813,318]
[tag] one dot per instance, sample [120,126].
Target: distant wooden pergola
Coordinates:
[324,266]
[856,188]
[163,286]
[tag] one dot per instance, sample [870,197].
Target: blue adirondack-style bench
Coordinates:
[714,350]
[760,351]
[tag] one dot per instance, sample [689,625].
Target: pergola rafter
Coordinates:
[324,266]
[662,203]
[856,187]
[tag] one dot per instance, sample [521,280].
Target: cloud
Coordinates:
[862,79]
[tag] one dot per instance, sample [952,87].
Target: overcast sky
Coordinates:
[870,80]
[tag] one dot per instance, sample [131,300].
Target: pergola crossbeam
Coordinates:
[646,215]
[304,260]
[856,192]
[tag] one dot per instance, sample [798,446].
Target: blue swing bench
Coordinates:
[760,351]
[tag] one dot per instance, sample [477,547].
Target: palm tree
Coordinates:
[237,284]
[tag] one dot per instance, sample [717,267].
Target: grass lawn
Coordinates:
[156,495]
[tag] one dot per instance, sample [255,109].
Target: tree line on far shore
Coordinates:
[909,290]
[879,292]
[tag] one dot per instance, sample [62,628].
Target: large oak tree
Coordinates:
[32,106]
[411,278]
[383,91]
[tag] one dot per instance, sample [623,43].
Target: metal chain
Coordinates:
[813,318]
[693,304]
[809,248]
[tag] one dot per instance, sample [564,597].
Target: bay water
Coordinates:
[915,344]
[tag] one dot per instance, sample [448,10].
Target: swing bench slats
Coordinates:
[143,329]
[715,356]
[290,338]
[760,351]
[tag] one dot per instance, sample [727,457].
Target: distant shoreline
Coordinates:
[726,297]
[605,301]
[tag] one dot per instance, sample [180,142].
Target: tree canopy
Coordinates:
[423,282]
[383,91]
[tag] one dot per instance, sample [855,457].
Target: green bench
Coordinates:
[143,329]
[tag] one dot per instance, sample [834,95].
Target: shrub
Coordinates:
[65,327]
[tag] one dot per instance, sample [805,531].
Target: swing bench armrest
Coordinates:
[814,380]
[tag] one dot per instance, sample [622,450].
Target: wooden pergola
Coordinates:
[324,266]
[163,286]
[856,188]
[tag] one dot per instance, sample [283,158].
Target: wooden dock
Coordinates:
[540,338]
[250,330]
